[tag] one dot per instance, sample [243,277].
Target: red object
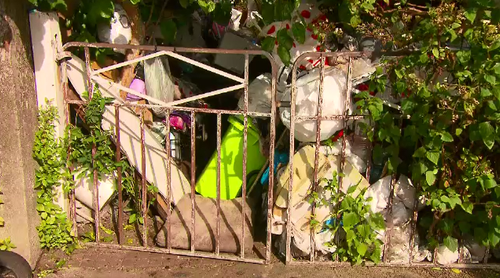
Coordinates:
[339,135]
[322,17]
[287,26]
[276,42]
[310,61]
[305,14]
[302,67]
[314,36]
[363,87]
[294,45]
[272,30]
[318,48]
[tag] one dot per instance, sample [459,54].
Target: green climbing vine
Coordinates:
[449,91]
[55,230]
[81,143]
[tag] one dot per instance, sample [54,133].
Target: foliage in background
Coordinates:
[450,91]
[55,230]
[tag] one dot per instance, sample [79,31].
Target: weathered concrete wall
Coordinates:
[18,124]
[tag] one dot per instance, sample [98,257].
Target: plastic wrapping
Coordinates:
[306,104]
[259,95]
[159,82]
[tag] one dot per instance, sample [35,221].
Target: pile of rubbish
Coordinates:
[163,78]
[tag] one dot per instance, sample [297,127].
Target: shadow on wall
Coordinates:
[14,22]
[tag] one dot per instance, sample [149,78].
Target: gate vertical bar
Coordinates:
[245,138]
[217,239]
[67,115]
[270,188]
[168,147]
[97,215]
[193,179]
[144,186]
[288,255]
[119,175]
[314,185]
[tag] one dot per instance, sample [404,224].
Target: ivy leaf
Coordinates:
[490,79]
[487,131]
[284,55]
[471,15]
[495,45]
[168,30]
[132,218]
[268,44]
[299,32]
[101,9]
[433,156]
[362,248]
[451,243]
[487,182]
[267,12]
[207,6]
[467,207]
[494,239]
[430,177]
[485,92]
[350,219]
[284,39]
[435,52]
[446,137]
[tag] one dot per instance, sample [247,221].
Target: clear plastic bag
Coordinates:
[159,82]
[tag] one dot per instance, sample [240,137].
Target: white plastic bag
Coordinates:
[259,95]
[306,104]
[159,82]
[445,256]
[118,31]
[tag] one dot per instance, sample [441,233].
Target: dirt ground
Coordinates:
[104,262]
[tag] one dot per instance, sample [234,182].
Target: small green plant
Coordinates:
[103,161]
[351,218]
[360,225]
[6,244]
[55,230]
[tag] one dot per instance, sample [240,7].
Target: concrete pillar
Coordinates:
[18,123]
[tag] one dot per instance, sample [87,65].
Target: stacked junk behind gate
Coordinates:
[237,143]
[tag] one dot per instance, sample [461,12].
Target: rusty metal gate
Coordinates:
[275,105]
[171,107]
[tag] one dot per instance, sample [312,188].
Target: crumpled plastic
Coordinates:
[306,103]
[259,95]
[159,82]
[118,31]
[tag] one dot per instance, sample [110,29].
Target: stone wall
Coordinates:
[18,123]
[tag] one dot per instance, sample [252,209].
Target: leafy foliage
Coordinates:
[103,161]
[450,103]
[55,231]
[353,223]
